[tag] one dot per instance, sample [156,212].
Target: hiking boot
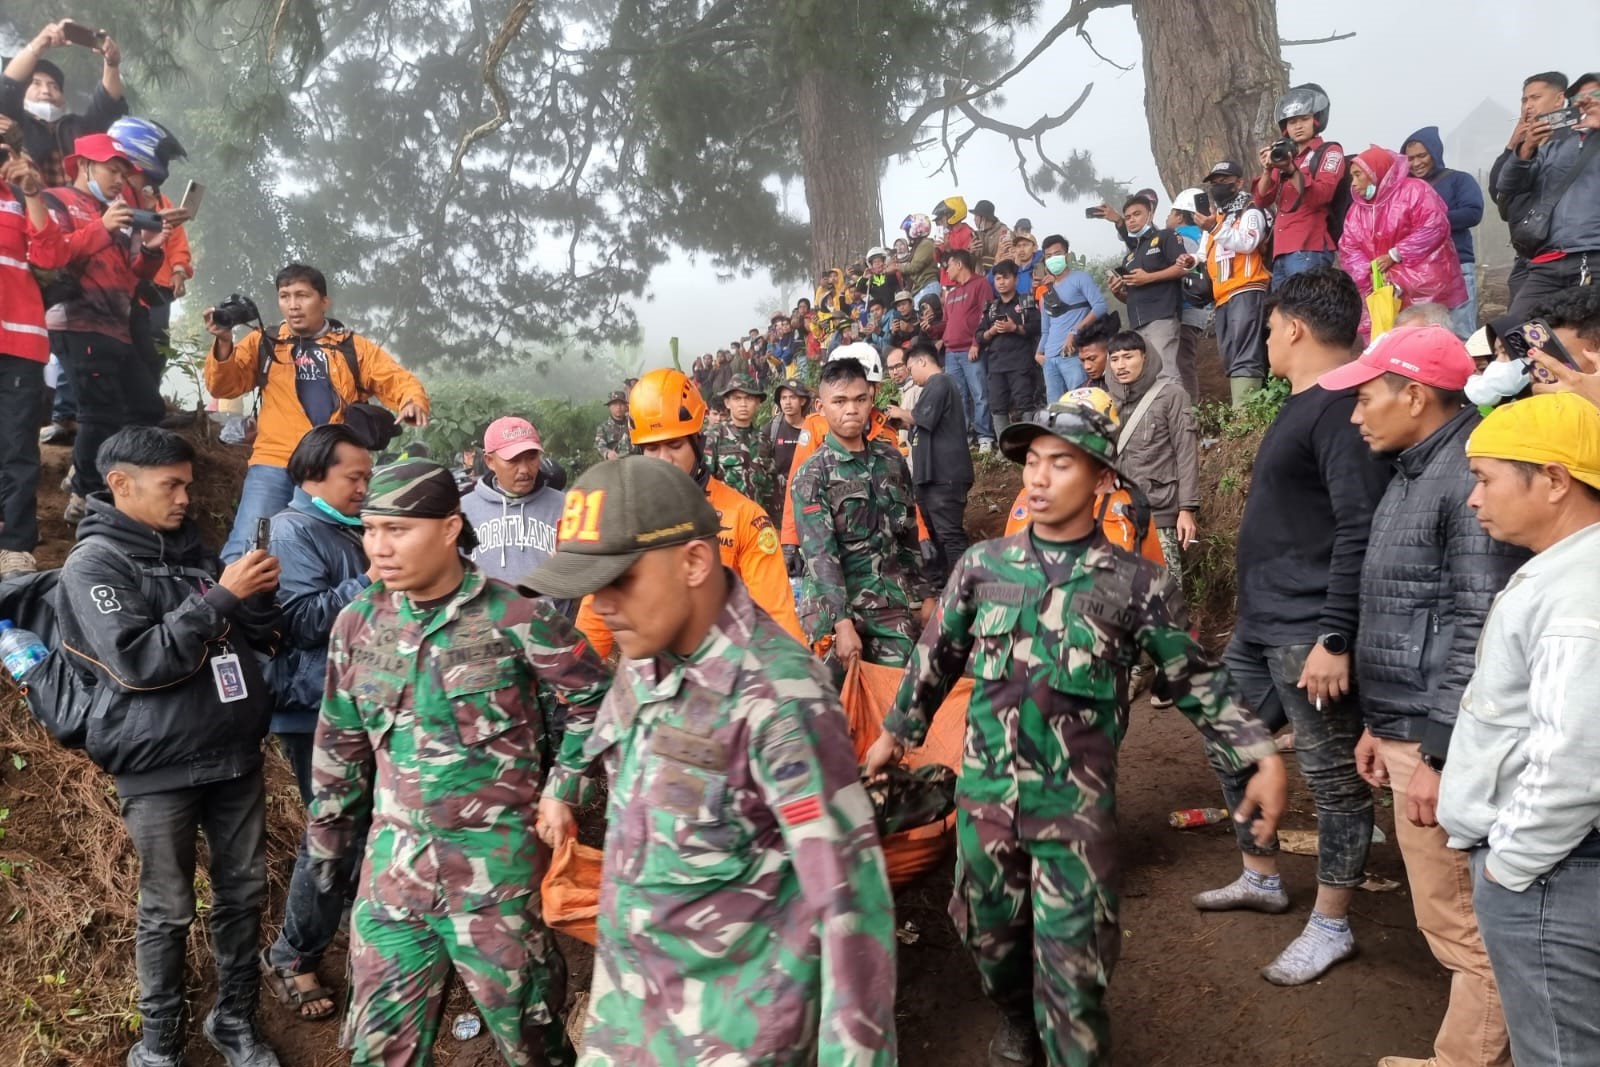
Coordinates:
[236,1037]
[1160,702]
[76,509]
[1015,1042]
[160,1045]
[12,562]
[57,433]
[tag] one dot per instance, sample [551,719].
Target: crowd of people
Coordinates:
[447,672]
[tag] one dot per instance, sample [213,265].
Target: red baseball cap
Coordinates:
[1431,355]
[510,437]
[97,147]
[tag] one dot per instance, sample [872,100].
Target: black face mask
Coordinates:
[1221,195]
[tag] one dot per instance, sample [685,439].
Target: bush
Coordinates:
[462,408]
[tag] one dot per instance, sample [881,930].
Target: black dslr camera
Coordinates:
[1282,151]
[235,311]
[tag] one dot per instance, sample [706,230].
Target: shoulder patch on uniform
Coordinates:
[811,509]
[799,812]
[767,539]
[999,592]
[805,437]
[1019,512]
[761,522]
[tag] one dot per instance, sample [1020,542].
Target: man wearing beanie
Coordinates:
[33,93]
[1519,788]
[444,694]
[1430,574]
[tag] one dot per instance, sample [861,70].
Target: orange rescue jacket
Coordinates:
[811,435]
[1118,524]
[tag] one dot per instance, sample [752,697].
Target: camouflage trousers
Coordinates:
[1040,919]
[1172,551]
[887,637]
[400,964]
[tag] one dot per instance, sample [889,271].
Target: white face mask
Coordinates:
[1498,381]
[43,110]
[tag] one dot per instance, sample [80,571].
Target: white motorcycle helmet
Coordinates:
[1188,200]
[869,357]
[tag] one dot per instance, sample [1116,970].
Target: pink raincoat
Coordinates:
[1408,216]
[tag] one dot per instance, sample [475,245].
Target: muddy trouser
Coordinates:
[1325,748]
[1041,921]
[1242,335]
[506,957]
[233,816]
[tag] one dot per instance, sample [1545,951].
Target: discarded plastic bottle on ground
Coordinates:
[21,649]
[1189,817]
[467,1026]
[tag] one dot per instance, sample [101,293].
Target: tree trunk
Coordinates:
[1213,72]
[842,175]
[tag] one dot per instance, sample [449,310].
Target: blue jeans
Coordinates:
[931,289]
[1062,374]
[266,491]
[310,916]
[970,380]
[1544,946]
[1325,748]
[1464,319]
[65,406]
[1289,264]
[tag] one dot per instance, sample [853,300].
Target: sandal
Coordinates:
[280,980]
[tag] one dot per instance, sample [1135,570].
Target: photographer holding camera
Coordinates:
[1301,177]
[309,369]
[111,248]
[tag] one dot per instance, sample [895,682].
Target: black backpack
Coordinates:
[62,693]
[373,423]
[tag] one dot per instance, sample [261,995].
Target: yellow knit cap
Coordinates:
[1559,428]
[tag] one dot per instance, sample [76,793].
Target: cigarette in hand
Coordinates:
[1319,704]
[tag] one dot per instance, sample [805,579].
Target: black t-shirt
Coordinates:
[1155,251]
[939,437]
[1304,534]
[783,444]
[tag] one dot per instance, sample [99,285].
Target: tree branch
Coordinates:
[1334,36]
[491,78]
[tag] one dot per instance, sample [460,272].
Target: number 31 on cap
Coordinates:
[580,519]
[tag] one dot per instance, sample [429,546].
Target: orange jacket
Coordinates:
[177,252]
[1118,524]
[811,435]
[749,547]
[282,421]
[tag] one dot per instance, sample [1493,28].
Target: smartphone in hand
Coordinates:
[82,36]
[263,534]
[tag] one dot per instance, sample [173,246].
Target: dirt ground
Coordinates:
[1186,992]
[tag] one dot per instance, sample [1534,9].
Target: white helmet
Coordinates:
[869,357]
[878,251]
[1188,200]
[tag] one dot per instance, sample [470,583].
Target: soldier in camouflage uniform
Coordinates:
[611,436]
[745,914]
[445,697]
[739,452]
[1051,620]
[854,510]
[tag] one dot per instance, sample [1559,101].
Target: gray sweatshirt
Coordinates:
[1521,770]
[515,533]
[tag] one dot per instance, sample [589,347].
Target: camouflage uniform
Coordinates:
[612,436]
[856,519]
[741,456]
[1051,631]
[745,914]
[442,722]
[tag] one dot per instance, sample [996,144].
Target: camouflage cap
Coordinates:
[417,489]
[615,513]
[1075,424]
[618,396]
[795,386]
[743,383]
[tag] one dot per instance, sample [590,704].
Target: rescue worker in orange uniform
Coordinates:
[1125,523]
[666,418]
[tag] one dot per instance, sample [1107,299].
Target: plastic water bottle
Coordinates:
[1189,817]
[21,649]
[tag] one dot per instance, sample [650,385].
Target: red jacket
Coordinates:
[1302,220]
[111,266]
[963,311]
[22,331]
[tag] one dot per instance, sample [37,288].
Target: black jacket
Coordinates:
[153,639]
[1429,578]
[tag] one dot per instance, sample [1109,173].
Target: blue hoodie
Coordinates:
[1458,190]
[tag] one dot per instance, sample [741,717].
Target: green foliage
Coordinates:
[1251,418]
[463,408]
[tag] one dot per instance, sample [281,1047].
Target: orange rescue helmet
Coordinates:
[664,406]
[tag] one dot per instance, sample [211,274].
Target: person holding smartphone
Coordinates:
[33,95]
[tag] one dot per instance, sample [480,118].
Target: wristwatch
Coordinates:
[1334,643]
[1433,763]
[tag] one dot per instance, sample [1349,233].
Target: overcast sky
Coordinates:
[1413,63]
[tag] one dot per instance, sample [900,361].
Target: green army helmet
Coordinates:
[1076,424]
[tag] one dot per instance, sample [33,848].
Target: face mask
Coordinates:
[1369,192]
[1497,382]
[1220,195]
[334,513]
[1139,232]
[99,194]
[1056,264]
[43,110]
